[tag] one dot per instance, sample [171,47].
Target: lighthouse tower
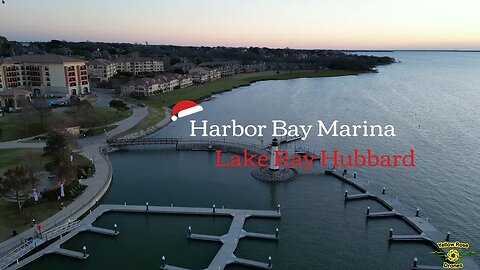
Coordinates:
[273,154]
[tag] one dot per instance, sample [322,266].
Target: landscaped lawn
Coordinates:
[10,158]
[13,126]
[11,219]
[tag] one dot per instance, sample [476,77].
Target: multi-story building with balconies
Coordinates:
[102,69]
[47,74]
[136,65]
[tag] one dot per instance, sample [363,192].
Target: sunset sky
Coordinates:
[339,24]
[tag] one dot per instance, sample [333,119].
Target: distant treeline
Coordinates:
[285,59]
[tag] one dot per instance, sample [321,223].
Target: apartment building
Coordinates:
[156,85]
[185,81]
[204,74]
[226,68]
[102,69]
[48,74]
[136,65]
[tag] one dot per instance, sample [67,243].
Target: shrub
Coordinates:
[72,190]
[119,104]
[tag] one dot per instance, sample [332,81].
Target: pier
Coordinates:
[224,257]
[425,230]
[190,144]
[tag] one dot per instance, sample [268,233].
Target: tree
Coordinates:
[27,112]
[118,104]
[43,108]
[32,163]
[56,143]
[80,110]
[59,148]
[174,60]
[74,108]
[15,181]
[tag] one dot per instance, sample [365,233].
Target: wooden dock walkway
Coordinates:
[69,253]
[426,231]
[224,257]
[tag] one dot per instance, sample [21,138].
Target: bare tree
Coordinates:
[43,109]
[15,181]
[28,110]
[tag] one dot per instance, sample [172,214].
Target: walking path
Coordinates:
[97,185]
[224,257]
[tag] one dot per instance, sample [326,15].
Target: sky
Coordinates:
[322,24]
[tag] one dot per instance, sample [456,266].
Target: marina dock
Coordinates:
[426,231]
[224,257]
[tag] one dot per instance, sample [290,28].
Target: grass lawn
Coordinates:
[10,219]
[12,127]
[155,115]
[10,158]
[198,92]
[92,98]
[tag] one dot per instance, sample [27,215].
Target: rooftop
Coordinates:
[41,59]
[100,62]
[135,59]
[14,92]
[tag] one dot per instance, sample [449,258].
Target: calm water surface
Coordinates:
[433,101]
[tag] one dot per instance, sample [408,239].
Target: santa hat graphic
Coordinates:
[184,108]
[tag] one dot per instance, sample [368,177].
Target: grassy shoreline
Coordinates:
[201,92]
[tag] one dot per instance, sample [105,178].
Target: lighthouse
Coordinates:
[273,154]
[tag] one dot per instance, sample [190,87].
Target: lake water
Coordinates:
[431,98]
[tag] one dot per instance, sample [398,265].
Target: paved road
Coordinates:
[104,97]
[96,185]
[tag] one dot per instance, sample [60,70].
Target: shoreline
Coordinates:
[239,81]
[96,186]
[81,205]
[204,98]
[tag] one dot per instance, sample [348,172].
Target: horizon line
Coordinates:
[267,47]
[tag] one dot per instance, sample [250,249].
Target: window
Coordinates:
[48,84]
[73,84]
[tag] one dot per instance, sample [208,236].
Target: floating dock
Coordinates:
[224,257]
[426,231]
